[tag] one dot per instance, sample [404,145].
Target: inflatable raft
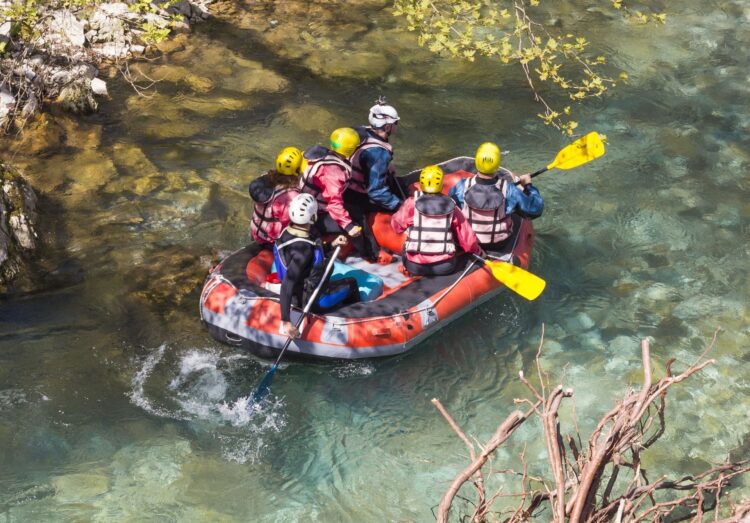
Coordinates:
[240,303]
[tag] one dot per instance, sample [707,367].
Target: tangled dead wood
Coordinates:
[605,480]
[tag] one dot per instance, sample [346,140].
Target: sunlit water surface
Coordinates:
[116,405]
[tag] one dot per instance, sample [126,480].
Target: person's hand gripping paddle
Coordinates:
[262,390]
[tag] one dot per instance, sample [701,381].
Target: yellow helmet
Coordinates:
[289,161]
[431,179]
[344,140]
[488,158]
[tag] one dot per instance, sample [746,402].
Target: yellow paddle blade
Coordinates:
[579,152]
[521,281]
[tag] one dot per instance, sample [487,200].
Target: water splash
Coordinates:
[354,369]
[198,385]
[137,395]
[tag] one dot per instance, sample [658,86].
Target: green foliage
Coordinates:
[24,16]
[79,4]
[503,30]
[153,33]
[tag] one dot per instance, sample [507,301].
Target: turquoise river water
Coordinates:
[116,405]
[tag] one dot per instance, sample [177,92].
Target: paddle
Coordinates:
[265,383]
[577,153]
[519,280]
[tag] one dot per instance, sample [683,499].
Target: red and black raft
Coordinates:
[240,307]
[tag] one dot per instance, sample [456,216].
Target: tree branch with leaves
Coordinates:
[557,63]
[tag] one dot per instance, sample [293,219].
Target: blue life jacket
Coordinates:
[281,266]
[324,300]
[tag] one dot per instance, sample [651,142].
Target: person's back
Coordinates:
[372,173]
[326,177]
[272,194]
[489,198]
[434,227]
[300,264]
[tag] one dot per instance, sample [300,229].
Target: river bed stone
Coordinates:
[18,230]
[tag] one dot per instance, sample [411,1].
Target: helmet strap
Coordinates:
[384,132]
[300,230]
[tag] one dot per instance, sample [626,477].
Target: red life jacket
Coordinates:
[306,181]
[360,180]
[432,232]
[484,209]
[265,226]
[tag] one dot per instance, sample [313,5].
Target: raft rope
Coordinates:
[338,320]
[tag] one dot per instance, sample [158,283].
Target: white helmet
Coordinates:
[303,210]
[382,114]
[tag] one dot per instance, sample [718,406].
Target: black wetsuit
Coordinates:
[299,259]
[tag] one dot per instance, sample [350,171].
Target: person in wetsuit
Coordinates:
[300,263]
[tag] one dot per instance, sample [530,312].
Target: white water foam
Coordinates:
[199,389]
[353,369]
[137,394]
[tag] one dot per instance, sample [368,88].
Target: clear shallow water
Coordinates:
[114,402]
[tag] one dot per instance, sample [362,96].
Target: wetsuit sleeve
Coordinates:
[528,203]
[457,193]
[465,234]
[375,161]
[333,180]
[404,217]
[298,262]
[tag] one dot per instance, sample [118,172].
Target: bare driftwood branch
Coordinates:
[478,478]
[501,435]
[586,487]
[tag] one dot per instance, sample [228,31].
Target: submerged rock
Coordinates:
[78,488]
[170,278]
[88,171]
[18,222]
[143,479]
[79,134]
[311,118]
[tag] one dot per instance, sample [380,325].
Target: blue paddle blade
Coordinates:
[262,390]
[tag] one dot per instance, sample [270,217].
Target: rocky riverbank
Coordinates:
[51,54]
[18,236]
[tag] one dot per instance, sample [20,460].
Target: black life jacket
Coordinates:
[264,226]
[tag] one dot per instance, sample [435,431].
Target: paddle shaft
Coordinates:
[269,375]
[540,171]
[310,302]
